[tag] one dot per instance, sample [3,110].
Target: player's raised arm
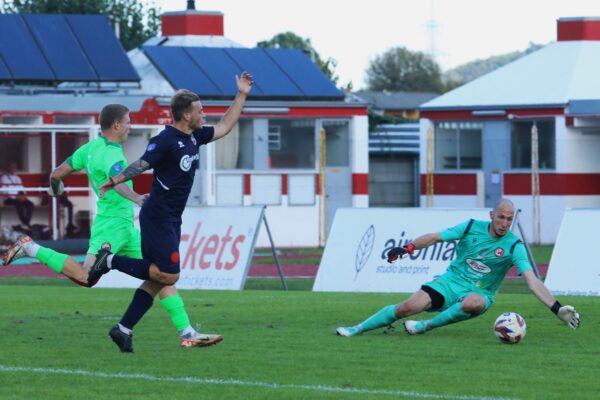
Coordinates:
[133,170]
[224,126]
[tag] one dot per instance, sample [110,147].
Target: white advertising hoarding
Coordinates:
[574,268]
[216,249]
[354,259]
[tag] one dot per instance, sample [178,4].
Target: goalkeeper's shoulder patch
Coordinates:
[117,168]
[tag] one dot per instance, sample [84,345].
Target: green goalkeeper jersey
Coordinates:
[102,159]
[481,259]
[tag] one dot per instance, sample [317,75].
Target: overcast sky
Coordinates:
[354,32]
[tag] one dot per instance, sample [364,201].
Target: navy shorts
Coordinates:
[160,243]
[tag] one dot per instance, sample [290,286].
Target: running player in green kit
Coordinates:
[485,252]
[113,226]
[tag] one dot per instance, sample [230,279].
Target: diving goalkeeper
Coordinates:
[486,250]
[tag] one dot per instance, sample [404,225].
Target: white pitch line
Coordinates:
[235,382]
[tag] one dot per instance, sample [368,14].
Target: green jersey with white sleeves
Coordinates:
[102,159]
[481,259]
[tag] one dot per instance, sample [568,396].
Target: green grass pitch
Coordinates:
[281,345]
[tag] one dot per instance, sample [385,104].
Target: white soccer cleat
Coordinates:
[348,331]
[414,327]
[16,250]
[198,339]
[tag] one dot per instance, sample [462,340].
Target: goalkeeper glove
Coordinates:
[61,189]
[400,252]
[568,314]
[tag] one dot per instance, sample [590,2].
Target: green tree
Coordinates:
[400,69]
[137,21]
[289,40]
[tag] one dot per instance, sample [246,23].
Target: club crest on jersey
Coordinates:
[499,252]
[478,266]
[186,162]
[194,140]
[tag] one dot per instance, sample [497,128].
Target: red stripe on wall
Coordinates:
[247,184]
[451,184]
[360,184]
[553,184]
[299,112]
[467,115]
[284,184]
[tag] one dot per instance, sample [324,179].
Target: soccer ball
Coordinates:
[510,328]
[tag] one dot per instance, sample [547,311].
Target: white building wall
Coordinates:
[579,150]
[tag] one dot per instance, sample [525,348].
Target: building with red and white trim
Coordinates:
[476,141]
[276,156]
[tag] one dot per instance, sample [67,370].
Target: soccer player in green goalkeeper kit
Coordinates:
[486,250]
[113,227]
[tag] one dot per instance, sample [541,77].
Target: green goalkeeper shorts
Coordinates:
[454,291]
[120,233]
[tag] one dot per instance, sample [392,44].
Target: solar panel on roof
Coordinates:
[60,47]
[20,52]
[180,70]
[221,68]
[268,76]
[304,72]
[102,48]
[4,73]
[209,72]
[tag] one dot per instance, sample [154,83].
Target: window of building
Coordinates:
[296,143]
[236,149]
[521,144]
[337,140]
[457,145]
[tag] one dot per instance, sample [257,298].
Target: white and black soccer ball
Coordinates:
[510,328]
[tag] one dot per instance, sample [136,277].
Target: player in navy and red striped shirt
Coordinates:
[173,155]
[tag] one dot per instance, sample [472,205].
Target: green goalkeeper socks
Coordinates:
[53,259]
[383,317]
[451,315]
[175,308]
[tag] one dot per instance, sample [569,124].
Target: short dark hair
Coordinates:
[110,114]
[182,102]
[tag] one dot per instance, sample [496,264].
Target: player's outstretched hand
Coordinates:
[569,315]
[399,252]
[244,82]
[396,253]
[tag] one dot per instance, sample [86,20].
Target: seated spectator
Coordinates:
[63,201]
[15,195]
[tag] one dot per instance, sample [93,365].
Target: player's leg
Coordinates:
[154,242]
[122,333]
[472,305]
[418,302]
[169,296]
[161,242]
[189,337]
[58,262]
